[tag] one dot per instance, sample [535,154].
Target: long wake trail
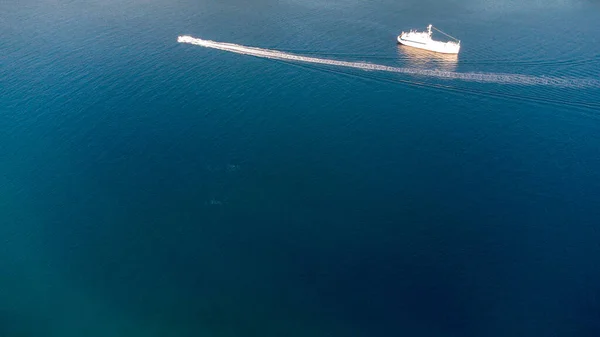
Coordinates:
[497,78]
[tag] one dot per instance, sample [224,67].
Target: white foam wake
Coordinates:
[498,78]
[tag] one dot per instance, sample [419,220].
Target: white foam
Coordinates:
[498,78]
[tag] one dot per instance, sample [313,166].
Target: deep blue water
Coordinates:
[150,188]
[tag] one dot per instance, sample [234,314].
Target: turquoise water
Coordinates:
[151,188]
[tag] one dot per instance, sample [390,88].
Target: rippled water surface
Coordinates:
[300,174]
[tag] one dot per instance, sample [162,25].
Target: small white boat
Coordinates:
[423,40]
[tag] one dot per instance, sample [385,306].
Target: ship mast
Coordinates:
[450,36]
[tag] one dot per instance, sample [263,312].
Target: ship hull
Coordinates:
[434,46]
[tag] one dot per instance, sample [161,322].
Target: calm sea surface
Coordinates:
[150,188]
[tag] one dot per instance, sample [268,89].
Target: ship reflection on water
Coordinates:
[424,59]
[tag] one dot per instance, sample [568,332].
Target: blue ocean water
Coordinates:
[150,188]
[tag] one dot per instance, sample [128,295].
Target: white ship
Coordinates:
[423,40]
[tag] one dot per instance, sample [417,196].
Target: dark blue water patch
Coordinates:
[149,186]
